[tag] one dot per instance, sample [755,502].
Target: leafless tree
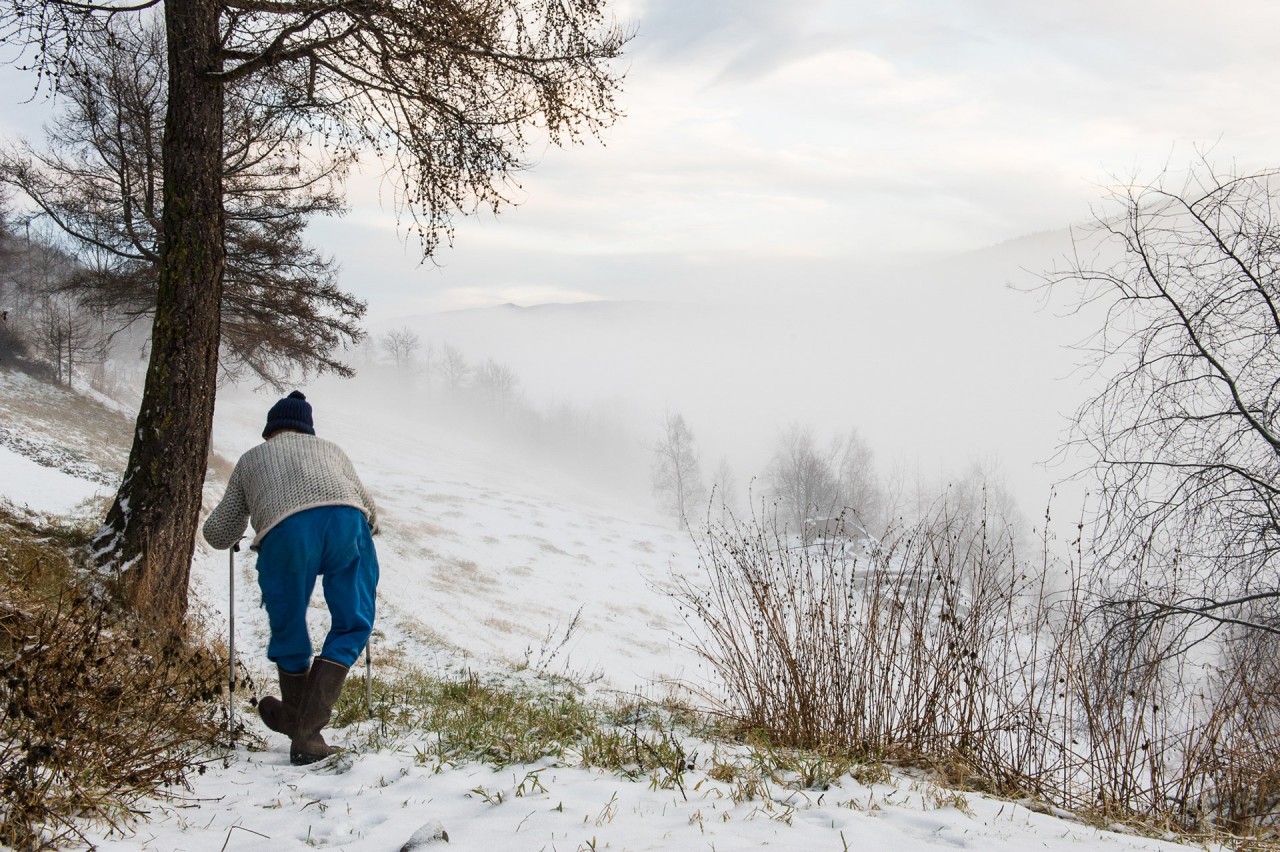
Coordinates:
[430,364]
[725,483]
[401,344]
[979,495]
[677,481]
[7,247]
[13,346]
[802,477]
[499,383]
[1183,432]
[453,366]
[42,310]
[451,94]
[859,485]
[71,336]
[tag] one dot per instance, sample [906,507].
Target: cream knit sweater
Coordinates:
[280,477]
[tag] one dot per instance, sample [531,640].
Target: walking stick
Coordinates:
[231,641]
[368,679]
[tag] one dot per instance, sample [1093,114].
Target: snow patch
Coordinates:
[42,488]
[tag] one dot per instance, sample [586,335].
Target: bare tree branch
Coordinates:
[1183,431]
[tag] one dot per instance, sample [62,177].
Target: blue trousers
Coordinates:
[331,542]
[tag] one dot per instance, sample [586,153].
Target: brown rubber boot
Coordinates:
[324,685]
[281,714]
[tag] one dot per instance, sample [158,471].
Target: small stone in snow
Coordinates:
[430,832]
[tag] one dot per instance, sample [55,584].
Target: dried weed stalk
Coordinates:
[939,645]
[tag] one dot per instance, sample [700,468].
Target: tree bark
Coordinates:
[149,533]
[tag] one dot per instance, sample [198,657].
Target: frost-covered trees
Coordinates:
[725,483]
[859,484]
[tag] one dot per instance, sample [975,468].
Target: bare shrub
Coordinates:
[93,716]
[940,646]
[878,650]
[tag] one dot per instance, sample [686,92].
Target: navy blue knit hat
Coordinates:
[292,412]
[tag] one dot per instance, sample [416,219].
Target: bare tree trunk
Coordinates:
[150,530]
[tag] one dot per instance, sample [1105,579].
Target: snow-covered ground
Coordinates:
[486,558]
[483,554]
[29,485]
[260,802]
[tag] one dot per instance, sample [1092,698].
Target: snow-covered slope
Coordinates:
[59,452]
[484,553]
[486,559]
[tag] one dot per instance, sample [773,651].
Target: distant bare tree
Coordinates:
[368,349]
[15,295]
[499,383]
[899,500]
[726,485]
[982,492]
[802,477]
[1185,430]
[430,361]
[7,241]
[677,481]
[401,344]
[12,344]
[71,336]
[453,366]
[42,309]
[859,485]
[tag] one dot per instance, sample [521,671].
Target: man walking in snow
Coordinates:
[312,517]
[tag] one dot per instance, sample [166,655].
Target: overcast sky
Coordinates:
[758,130]
[818,130]
[773,150]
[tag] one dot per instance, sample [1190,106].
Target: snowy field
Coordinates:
[484,556]
[43,490]
[486,559]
